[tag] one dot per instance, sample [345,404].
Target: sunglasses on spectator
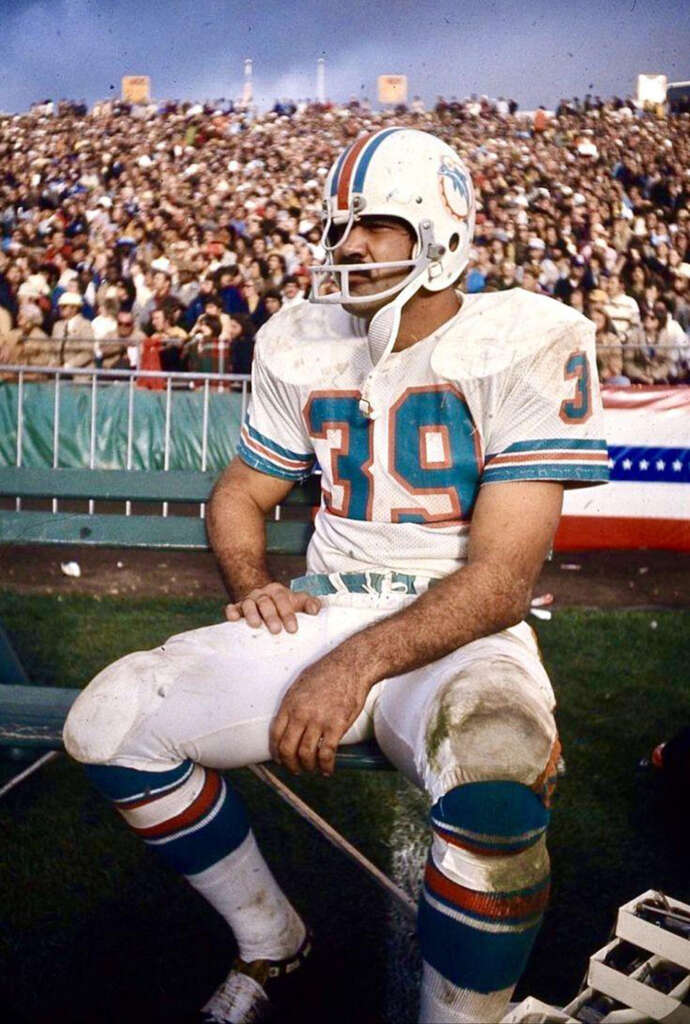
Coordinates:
[125,323]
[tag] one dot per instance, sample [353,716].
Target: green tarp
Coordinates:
[148,434]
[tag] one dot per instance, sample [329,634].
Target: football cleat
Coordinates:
[253,992]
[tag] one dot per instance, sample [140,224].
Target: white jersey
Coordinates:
[505,390]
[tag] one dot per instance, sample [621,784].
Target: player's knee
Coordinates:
[111,705]
[488,726]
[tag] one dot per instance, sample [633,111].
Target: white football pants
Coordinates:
[209,695]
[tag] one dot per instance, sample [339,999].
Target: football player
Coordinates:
[446,427]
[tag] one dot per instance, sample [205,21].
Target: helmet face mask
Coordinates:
[410,176]
[339,273]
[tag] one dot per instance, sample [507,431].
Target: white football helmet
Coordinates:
[417,178]
[410,175]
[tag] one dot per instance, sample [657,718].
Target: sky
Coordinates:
[535,51]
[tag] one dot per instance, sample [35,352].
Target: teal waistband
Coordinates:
[321,584]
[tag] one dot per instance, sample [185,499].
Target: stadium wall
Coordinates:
[646,504]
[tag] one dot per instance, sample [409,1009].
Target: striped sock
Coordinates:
[192,818]
[485,890]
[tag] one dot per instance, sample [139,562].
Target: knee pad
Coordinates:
[488,724]
[112,704]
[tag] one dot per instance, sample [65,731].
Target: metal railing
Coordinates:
[100,378]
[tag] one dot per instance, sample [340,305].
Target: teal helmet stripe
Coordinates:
[366,156]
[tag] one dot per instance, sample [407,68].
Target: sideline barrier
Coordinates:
[101,420]
[647,502]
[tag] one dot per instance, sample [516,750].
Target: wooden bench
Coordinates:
[31,717]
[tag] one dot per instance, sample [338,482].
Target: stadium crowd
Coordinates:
[164,237]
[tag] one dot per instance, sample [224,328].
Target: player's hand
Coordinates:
[275,605]
[316,712]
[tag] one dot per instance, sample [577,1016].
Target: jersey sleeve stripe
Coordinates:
[277,448]
[557,443]
[270,468]
[575,471]
[302,465]
[548,456]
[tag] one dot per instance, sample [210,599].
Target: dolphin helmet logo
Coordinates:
[455,187]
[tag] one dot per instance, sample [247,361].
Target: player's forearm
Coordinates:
[477,600]
[236,532]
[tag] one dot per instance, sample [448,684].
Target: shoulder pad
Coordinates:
[496,330]
[309,342]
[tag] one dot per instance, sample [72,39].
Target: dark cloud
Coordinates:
[538,52]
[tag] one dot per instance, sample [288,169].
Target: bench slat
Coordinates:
[33,717]
[172,485]
[287,537]
[106,485]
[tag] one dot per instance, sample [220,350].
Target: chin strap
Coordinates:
[382,335]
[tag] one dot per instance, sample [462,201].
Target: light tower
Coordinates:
[321,80]
[248,92]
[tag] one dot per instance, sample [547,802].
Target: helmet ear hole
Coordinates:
[454,241]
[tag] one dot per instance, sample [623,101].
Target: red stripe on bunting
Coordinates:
[640,396]
[576,533]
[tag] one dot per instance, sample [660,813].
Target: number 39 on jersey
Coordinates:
[427,464]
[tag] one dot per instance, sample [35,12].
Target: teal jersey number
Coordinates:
[434,416]
[351,461]
[579,408]
[433,450]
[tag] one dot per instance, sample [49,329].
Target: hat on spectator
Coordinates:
[38,283]
[28,290]
[537,243]
[598,296]
[66,276]
[70,299]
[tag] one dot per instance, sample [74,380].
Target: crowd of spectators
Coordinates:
[164,237]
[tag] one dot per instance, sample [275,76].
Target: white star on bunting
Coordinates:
[677,466]
[627,464]
[660,464]
[644,464]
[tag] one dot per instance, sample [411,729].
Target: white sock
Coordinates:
[444,1003]
[243,891]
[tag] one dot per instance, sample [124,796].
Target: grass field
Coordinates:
[93,928]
